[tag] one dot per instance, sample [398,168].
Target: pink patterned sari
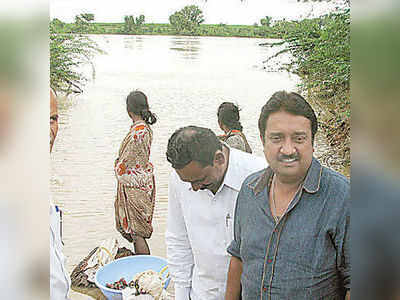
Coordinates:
[134,203]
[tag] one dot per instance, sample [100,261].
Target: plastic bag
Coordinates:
[80,280]
[149,283]
[104,254]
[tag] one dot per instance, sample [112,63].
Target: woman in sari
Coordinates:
[229,122]
[134,203]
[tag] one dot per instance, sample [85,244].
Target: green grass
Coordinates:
[167,29]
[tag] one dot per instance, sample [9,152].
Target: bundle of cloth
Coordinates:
[83,275]
[149,286]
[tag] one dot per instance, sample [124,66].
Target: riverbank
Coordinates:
[222,30]
[334,134]
[174,72]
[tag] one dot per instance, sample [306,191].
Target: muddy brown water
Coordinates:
[185,79]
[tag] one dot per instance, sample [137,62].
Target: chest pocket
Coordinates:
[228,228]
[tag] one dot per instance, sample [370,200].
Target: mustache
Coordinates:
[283,157]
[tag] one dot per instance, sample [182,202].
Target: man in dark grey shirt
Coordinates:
[291,232]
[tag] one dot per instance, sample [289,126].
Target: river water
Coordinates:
[185,79]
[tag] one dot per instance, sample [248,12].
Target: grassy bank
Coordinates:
[318,48]
[167,29]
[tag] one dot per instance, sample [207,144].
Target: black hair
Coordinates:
[290,102]
[137,103]
[192,143]
[228,114]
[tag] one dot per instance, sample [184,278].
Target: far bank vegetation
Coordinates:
[319,51]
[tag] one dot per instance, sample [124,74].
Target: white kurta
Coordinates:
[200,228]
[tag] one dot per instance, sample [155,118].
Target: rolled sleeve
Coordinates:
[234,249]
[179,252]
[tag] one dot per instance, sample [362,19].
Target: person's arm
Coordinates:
[179,251]
[233,289]
[233,286]
[115,162]
[342,245]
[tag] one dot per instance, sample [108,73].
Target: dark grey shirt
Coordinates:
[304,256]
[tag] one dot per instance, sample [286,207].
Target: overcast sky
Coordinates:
[157,11]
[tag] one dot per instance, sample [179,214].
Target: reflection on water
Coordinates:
[181,92]
[133,42]
[188,46]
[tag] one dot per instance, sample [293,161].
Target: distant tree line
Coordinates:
[187,21]
[318,50]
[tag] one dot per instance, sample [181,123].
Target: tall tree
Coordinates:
[129,23]
[68,52]
[266,21]
[187,19]
[87,17]
[82,22]
[140,20]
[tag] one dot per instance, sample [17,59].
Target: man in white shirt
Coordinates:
[202,194]
[59,278]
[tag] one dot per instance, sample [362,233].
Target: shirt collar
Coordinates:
[232,177]
[313,178]
[311,182]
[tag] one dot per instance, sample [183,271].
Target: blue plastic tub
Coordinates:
[127,267]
